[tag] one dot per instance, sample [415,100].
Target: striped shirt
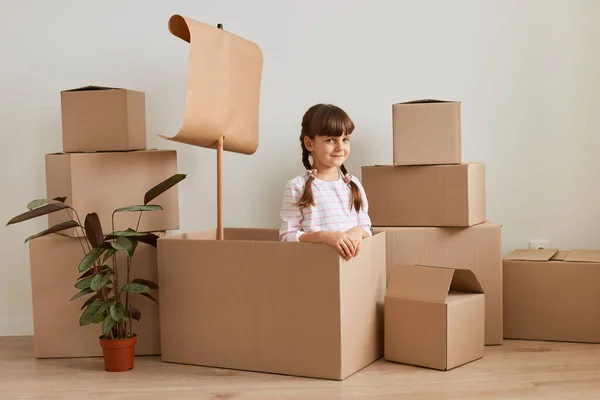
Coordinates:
[331,211]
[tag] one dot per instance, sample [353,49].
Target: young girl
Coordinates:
[325,205]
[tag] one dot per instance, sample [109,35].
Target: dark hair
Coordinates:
[325,120]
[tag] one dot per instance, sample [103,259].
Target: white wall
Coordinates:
[525,70]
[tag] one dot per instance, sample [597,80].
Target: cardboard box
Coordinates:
[53,264]
[251,302]
[103,182]
[434,317]
[438,195]
[427,132]
[552,295]
[478,248]
[98,118]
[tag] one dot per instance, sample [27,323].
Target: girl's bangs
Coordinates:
[335,122]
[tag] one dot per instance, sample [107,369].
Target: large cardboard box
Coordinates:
[434,317]
[53,264]
[427,132]
[251,302]
[98,118]
[552,295]
[477,248]
[103,182]
[437,195]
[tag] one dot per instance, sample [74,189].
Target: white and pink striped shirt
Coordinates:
[331,211]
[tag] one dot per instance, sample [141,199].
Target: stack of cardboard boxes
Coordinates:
[104,165]
[432,207]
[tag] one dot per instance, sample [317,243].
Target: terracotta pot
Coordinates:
[118,353]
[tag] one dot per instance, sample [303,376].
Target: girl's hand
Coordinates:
[356,236]
[341,241]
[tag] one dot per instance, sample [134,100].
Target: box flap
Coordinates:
[423,101]
[90,88]
[583,256]
[419,282]
[531,255]
[464,280]
[223,88]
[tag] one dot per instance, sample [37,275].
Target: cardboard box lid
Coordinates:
[428,101]
[430,284]
[223,87]
[554,255]
[91,88]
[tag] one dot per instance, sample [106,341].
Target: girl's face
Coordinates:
[328,151]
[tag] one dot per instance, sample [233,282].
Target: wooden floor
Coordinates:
[516,370]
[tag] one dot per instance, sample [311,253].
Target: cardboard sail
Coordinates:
[223,87]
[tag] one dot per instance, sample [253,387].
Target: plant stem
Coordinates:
[138,223]
[79,222]
[127,294]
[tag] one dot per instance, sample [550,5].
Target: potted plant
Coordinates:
[109,286]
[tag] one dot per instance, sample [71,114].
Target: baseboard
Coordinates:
[16,326]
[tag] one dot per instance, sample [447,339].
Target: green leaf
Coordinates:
[131,250]
[99,318]
[83,292]
[101,269]
[109,254]
[122,243]
[107,326]
[129,232]
[90,258]
[93,230]
[84,283]
[140,208]
[43,210]
[146,282]
[163,187]
[42,202]
[56,228]
[148,295]
[99,281]
[89,315]
[136,288]
[117,311]
[135,313]
[88,301]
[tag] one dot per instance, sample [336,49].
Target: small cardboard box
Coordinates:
[434,317]
[98,118]
[427,132]
[57,334]
[552,295]
[477,248]
[103,182]
[437,195]
[251,302]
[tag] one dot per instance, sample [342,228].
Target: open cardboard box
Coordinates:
[434,317]
[552,295]
[251,302]
[240,298]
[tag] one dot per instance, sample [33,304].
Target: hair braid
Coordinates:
[356,195]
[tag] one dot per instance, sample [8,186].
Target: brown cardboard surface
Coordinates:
[102,182]
[251,302]
[427,132]
[552,299]
[435,317]
[223,87]
[437,195]
[96,118]
[477,248]
[53,264]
